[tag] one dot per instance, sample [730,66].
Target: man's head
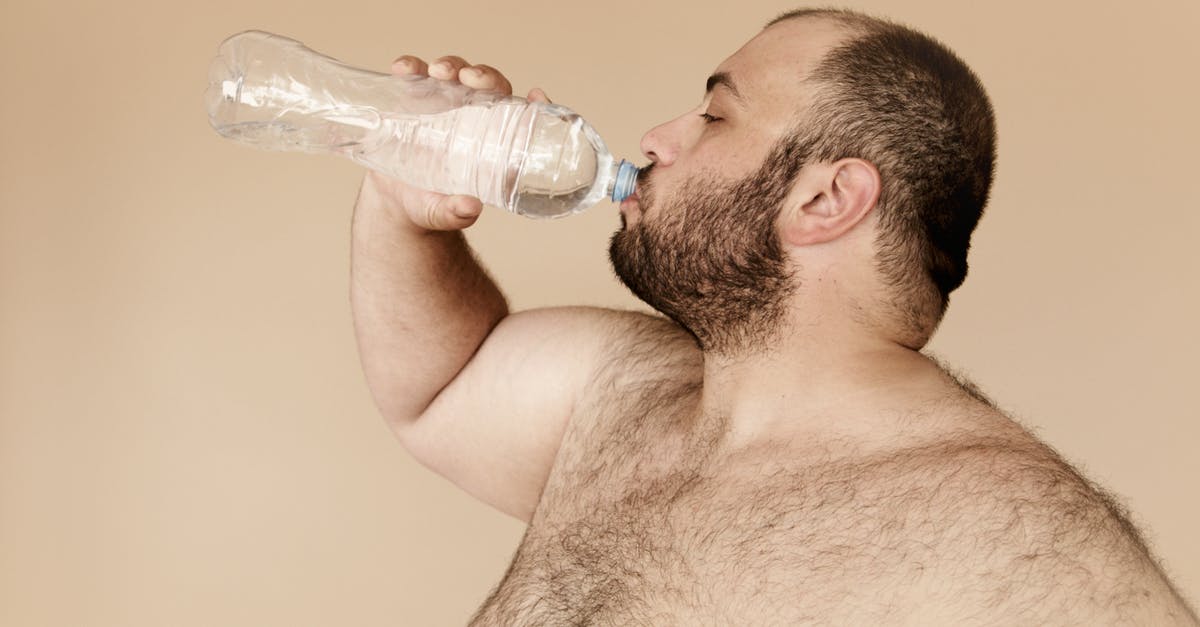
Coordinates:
[830,143]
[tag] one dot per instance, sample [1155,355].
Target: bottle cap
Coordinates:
[626,181]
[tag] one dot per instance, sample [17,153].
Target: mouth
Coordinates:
[630,211]
[630,202]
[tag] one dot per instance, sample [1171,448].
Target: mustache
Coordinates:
[643,186]
[644,173]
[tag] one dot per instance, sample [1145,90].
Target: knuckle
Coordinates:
[430,211]
[409,65]
[439,213]
[495,75]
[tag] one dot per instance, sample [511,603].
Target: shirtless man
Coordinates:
[775,450]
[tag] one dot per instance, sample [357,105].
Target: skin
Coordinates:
[805,466]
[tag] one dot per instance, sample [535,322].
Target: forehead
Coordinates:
[769,68]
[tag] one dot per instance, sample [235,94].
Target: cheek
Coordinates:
[724,158]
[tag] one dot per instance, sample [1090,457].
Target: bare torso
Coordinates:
[648,519]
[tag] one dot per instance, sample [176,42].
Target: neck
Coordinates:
[822,382]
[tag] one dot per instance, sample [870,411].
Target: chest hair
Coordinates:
[641,523]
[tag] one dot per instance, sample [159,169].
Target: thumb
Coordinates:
[442,212]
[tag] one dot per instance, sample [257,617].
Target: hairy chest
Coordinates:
[640,524]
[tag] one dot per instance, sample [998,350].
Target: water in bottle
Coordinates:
[535,159]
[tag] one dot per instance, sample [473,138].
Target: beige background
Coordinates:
[185,435]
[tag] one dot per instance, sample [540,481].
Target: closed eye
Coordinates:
[709,119]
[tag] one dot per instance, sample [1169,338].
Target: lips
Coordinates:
[630,202]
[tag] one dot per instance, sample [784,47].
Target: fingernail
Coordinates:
[464,211]
[474,72]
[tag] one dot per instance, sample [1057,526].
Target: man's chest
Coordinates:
[639,524]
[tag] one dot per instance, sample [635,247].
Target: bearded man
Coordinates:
[776,449]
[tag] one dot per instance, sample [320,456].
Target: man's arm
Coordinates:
[478,395]
[421,303]
[430,325]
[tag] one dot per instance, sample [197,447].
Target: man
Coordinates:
[776,450]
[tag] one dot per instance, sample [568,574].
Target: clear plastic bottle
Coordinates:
[535,159]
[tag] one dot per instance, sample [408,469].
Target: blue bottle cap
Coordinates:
[626,181]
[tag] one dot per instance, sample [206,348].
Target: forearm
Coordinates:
[421,305]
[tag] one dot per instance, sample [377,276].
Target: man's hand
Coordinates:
[425,209]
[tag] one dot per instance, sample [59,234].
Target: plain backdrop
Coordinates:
[185,434]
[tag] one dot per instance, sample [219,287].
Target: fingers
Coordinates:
[409,65]
[537,95]
[485,78]
[454,68]
[440,212]
[451,213]
[447,68]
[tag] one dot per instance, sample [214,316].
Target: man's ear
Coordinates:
[827,200]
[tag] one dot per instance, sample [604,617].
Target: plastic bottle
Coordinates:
[535,159]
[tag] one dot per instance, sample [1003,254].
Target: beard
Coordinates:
[711,259]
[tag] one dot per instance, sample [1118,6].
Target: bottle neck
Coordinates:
[624,180]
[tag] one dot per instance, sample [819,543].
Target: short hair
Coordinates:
[904,102]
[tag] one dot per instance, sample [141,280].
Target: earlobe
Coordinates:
[828,200]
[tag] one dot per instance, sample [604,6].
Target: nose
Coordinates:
[661,144]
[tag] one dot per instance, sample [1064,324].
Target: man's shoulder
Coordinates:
[1021,482]
[640,332]
[610,340]
[645,349]
[1023,527]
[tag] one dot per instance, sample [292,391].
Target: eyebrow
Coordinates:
[724,79]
